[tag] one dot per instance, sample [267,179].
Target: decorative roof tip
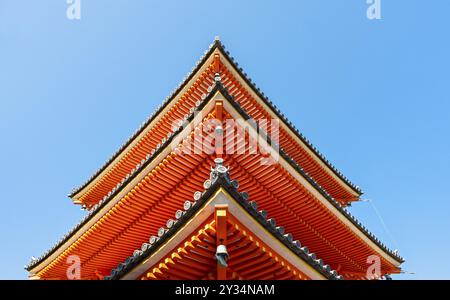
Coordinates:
[218,161]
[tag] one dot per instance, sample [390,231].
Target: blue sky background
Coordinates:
[373,96]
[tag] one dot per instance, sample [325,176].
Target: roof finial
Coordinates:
[217,38]
[218,161]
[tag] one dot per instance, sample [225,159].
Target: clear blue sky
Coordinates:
[373,96]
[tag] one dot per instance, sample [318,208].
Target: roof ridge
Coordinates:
[128,178]
[281,115]
[314,183]
[220,177]
[216,43]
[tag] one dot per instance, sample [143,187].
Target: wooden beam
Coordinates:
[221,212]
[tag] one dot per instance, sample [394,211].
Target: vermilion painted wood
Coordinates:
[182,107]
[250,258]
[156,198]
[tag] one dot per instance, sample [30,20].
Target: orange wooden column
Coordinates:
[221,212]
[216,63]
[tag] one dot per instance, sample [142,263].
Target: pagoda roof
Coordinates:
[218,87]
[219,180]
[320,176]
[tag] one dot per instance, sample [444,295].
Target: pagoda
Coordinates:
[217,184]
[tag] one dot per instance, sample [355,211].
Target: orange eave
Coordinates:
[182,102]
[151,199]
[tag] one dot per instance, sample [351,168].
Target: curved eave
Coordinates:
[118,189]
[78,191]
[288,123]
[216,46]
[217,88]
[136,263]
[342,211]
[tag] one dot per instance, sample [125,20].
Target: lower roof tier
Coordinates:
[221,221]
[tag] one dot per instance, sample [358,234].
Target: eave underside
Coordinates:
[147,206]
[250,259]
[141,145]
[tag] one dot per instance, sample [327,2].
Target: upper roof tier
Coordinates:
[215,62]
